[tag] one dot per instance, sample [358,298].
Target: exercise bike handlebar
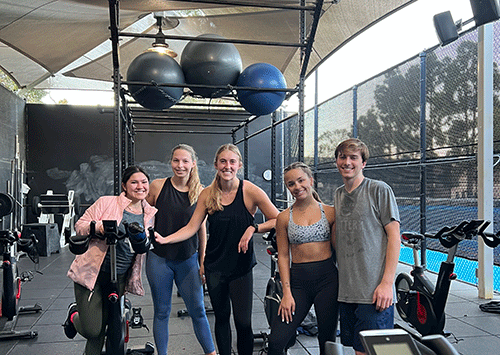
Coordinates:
[80,244]
[490,239]
[451,236]
[8,237]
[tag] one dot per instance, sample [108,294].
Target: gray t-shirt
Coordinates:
[361,240]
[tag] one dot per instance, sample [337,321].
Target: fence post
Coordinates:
[316,129]
[245,153]
[273,157]
[355,111]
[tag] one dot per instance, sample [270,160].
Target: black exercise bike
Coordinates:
[419,302]
[12,281]
[119,308]
[397,341]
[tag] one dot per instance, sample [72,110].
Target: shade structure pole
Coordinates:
[485,154]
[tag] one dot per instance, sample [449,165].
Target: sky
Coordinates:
[393,40]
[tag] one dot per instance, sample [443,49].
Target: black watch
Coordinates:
[256,227]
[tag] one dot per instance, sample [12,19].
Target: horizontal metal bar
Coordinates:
[197,124]
[224,87]
[195,104]
[274,5]
[179,131]
[140,118]
[212,39]
[197,112]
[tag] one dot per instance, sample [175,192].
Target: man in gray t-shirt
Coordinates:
[367,244]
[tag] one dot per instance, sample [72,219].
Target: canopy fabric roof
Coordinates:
[43,39]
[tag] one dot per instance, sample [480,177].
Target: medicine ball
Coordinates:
[210,63]
[159,68]
[261,75]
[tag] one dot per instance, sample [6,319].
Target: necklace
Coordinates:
[134,211]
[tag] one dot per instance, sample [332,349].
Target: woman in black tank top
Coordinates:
[230,205]
[175,198]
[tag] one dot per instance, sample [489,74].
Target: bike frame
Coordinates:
[438,293]
[118,320]
[11,290]
[420,302]
[117,327]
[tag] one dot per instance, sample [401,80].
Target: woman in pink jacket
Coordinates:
[91,270]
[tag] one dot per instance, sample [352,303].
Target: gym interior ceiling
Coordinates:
[45,41]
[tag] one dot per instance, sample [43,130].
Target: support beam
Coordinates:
[485,154]
[117,127]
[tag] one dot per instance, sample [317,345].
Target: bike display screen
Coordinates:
[393,349]
[388,342]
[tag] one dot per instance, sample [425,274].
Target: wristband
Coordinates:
[256,227]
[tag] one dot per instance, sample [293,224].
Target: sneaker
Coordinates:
[69,327]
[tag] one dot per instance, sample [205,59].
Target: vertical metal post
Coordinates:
[301,83]
[355,111]
[423,156]
[316,128]
[485,154]
[245,153]
[117,128]
[273,157]
[129,137]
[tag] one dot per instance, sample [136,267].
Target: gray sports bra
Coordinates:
[317,232]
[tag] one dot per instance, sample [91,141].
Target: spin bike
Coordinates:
[12,281]
[397,341]
[419,302]
[119,317]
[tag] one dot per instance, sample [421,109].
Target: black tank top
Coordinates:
[174,212]
[226,228]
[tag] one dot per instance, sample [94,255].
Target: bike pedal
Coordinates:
[136,320]
[26,276]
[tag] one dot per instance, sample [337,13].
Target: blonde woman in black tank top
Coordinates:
[306,262]
[182,263]
[230,204]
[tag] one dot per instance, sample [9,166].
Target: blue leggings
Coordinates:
[161,274]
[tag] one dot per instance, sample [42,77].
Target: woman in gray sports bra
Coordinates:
[303,234]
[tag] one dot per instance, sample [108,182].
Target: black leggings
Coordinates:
[224,292]
[311,283]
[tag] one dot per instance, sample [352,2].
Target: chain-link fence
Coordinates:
[419,120]
[419,144]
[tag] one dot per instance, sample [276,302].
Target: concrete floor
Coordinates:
[474,332]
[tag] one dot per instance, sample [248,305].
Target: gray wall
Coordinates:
[12,123]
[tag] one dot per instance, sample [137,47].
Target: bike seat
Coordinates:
[412,237]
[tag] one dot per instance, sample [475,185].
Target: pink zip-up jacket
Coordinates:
[85,268]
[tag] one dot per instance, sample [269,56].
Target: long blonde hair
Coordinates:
[193,183]
[307,170]
[214,200]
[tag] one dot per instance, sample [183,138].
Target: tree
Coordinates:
[31,96]
[392,125]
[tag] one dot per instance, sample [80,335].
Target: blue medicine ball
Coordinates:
[162,69]
[211,63]
[261,75]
